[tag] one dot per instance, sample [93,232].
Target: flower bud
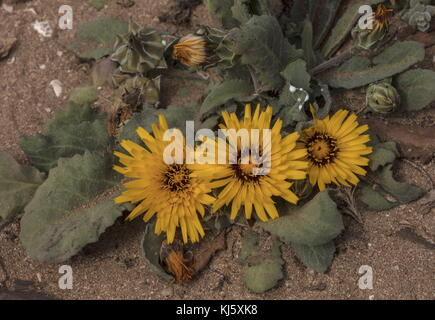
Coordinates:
[190,50]
[382,97]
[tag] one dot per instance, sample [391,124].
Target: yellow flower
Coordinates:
[241,186]
[190,50]
[336,148]
[169,191]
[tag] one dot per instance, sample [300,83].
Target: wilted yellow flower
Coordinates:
[241,185]
[380,17]
[335,149]
[190,50]
[169,191]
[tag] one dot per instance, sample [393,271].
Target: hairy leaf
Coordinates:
[403,192]
[315,223]
[72,131]
[221,9]
[373,199]
[307,43]
[243,10]
[261,270]
[358,71]
[84,94]
[232,89]
[297,75]
[318,258]
[323,16]
[261,44]
[95,39]
[68,211]
[416,89]
[17,185]
[383,154]
[98,4]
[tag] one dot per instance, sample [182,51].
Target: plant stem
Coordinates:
[333,62]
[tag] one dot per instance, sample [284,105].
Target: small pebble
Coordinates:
[167,292]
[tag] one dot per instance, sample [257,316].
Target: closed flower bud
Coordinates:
[190,50]
[382,97]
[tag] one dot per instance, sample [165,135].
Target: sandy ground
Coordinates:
[398,244]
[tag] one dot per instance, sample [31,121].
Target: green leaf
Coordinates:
[68,210]
[83,95]
[261,44]
[343,26]
[243,10]
[98,4]
[231,89]
[403,192]
[373,199]
[95,39]
[72,131]
[383,154]
[151,245]
[296,74]
[416,88]
[17,185]
[307,43]
[323,14]
[318,258]
[315,223]
[221,9]
[291,112]
[358,71]
[261,270]
[249,246]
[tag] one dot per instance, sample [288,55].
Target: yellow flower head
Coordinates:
[169,191]
[380,17]
[241,185]
[336,148]
[190,50]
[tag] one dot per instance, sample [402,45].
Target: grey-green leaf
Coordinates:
[416,88]
[83,95]
[95,39]
[221,9]
[151,245]
[72,131]
[373,199]
[358,71]
[315,223]
[261,270]
[231,89]
[98,4]
[383,154]
[318,258]
[307,43]
[68,210]
[18,184]
[261,44]
[403,192]
[297,75]
[249,246]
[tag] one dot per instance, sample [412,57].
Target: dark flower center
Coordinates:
[322,149]
[176,177]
